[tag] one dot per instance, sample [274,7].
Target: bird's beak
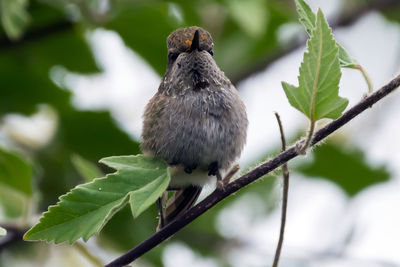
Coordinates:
[195,42]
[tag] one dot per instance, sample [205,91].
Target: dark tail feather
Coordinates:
[181,201]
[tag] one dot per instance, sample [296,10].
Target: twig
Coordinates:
[283,139]
[285,172]
[218,195]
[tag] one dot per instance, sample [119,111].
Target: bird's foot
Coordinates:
[231,173]
[222,182]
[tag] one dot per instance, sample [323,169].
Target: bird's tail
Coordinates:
[181,201]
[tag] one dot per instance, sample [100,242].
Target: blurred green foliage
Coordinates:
[15,172]
[346,167]
[15,183]
[37,35]
[14,17]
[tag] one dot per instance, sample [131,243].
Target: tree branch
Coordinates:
[218,195]
[344,20]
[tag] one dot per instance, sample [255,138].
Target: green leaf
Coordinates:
[85,168]
[317,94]
[140,166]
[86,209]
[345,167]
[3,231]
[15,172]
[306,16]
[346,61]
[308,19]
[14,17]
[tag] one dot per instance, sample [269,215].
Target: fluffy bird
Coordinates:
[196,121]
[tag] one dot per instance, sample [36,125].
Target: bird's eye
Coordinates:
[172,56]
[211,52]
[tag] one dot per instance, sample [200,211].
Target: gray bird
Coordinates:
[196,121]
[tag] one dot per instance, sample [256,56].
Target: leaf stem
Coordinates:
[366,77]
[285,171]
[309,137]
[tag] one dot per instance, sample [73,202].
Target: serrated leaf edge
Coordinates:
[303,7]
[60,199]
[112,211]
[107,163]
[287,87]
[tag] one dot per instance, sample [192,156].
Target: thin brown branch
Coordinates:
[218,195]
[281,132]
[285,172]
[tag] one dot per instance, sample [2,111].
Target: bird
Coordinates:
[196,121]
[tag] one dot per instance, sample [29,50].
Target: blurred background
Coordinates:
[75,76]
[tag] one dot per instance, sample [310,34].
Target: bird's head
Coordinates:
[191,66]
